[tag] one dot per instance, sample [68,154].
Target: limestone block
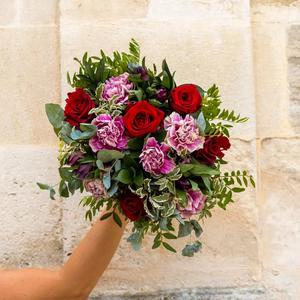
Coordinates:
[8,12]
[202,53]
[38,12]
[207,293]
[293,76]
[30,67]
[229,246]
[101,10]
[195,10]
[273,2]
[279,214]
[31,231]
[271,80]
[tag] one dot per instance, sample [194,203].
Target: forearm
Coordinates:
[92,256]
[76,279]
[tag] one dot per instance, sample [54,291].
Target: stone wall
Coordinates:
[251,49]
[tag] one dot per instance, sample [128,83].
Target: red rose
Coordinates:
[132,206]
[79,103]
[142,118]
[213,148]
[185,99]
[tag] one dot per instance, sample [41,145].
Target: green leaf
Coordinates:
[198,169]
[182,197]
[252,181]
[65,173]
[190,250]
[201,123]
[52,193]
[106,180]
[194,185]
[197,228]
[135,143]
[238,189]
[88,131]
[124,176]
[160,135]
[109,155]
[169,247]
[55,114]
[113,189]
[135,240]
[99,164]
[65,133]
[138,179]
[170,236]
[117,219]
[44,186]
[156,244]
[63,189]
[106,216]
[185,167]
[185,229]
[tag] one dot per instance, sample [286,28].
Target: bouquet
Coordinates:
[136,141]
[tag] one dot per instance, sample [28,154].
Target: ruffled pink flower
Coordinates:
[117,88]
[110,133]
[183,134]
[155,159]
[196,202]
[95,187]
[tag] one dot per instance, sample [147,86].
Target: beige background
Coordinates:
[251,49]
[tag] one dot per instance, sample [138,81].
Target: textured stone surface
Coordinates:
[294,76]
[232,293]
[38,12]
[101,10]
[200,53]
[31,231]
[8,12]
[279,214]
[193,10]
[30,74]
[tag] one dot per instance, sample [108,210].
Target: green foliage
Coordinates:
[55,115]
[87,131]
[109,155]
[211,111]
[190,250]
[94,70]
[44,186]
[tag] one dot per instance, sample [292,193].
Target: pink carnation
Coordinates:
[183,134]
[196,202]
[110,133]
[154,158]
[117,88]
[95,187]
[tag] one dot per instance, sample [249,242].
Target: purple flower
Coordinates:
[95,187]
[110,133]
[74,157]
[83,170]
[154,157]
[183,134]
[117,88]
[161,95]
[196,202]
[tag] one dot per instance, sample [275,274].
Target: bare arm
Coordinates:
[76,279]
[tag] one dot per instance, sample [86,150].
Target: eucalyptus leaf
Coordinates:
[55,114]
[109,155]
